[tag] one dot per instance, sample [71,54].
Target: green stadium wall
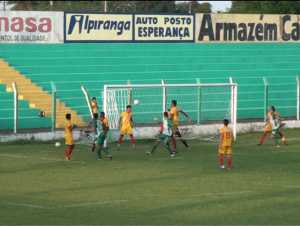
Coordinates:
[71,65]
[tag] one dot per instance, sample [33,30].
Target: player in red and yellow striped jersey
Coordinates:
[225,145]
[126,126]
[69,141]
[174,115]
[94,105]
[268,128]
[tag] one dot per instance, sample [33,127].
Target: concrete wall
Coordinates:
[192,131]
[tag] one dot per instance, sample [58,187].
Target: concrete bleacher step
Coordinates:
[37,97]
[27,116]
[69,66]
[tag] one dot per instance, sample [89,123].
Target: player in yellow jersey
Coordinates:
[69,141]
[94,105]
[225,145]
[269,126]
[174,115]
[126,126]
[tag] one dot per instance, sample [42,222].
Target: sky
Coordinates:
[216,5]
[219,5]
[2,3]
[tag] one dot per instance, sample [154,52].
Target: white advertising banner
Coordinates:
[247,28]
[167,28]
[93,27]
[31,27]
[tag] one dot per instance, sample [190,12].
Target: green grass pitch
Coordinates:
[39,188]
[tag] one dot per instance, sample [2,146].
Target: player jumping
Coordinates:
[102,130]
[69,141]
[165,135]
[225,145]
[94,105]
[174,115]
[126,126]
[272,114]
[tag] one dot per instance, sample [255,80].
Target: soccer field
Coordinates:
[39,188]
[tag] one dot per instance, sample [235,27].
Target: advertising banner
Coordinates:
[164,28]
[31,27]
[87,27]
[247,28]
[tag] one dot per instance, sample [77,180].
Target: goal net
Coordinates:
[205,103]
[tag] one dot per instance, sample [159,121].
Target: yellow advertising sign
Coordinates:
[87,27]
[247,28]
[164,28]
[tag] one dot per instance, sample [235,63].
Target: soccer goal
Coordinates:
[206,103]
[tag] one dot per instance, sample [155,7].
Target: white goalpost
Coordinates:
[115,101]
[205,102]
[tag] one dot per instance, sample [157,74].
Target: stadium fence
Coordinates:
[203,105]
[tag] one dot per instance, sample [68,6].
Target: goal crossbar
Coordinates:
[169,85]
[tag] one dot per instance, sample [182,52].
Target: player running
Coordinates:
[69,141]
[165,135]
[94,105]
[174,115]
[102,130]
[225,145]
[126,126]
[268,128]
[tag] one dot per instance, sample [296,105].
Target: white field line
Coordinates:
[25,205]
[215,141]
[109,202]
[166,158]
[284,185]
[291,186]
[85,204]
[270,140]
[271,151]
[283,151]
[223,193]
[40,158]
[191,196]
